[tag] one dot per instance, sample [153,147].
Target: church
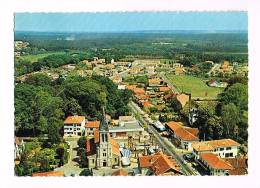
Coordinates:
[102,150]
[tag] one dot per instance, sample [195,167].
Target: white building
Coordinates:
[74,126]
[225,148]
[215,165]
[182,136]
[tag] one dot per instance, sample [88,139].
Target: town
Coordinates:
[91,115]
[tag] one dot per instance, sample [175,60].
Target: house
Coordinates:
[158,164]
[215,83]
[127,126]
[90,127]
[214,165]
[149,70]
[183,99]
[120,172]
[154,82]
[48,174]
[131,87]
[102,150]
[164,89]
[74,126]
[147,104]
[139,91]
[182,136]
[224,148]
[19,147]
[179,70]
[239,164]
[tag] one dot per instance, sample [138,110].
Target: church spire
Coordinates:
[103,126]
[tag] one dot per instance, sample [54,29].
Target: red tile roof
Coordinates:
[139,91]
[239,165]
[159,163]
[215,162]
[181,132]
[48,174]
[96,136]
[74,119]
[212,144]
[115,146]
[147,104]
[183,99]
[90,146]
[92,124]
[164,89]
[120,172]
[170,95]
[194,131]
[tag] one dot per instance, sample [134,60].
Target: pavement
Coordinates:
[165,144]
[72,167]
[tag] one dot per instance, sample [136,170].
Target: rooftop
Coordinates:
[183,132]
[212,144]
[92,124]
[74,120]
[215,162]
[48,174]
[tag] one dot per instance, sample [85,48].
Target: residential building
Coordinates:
[120,172]
[90,127]
[182,136]
[48,174]
[183,99]
[214,165]
[224,148]
[239,164]
[127,127]
[74,126]
[158,164]
[154,82]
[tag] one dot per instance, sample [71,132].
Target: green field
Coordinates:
[196,86]
[34,58]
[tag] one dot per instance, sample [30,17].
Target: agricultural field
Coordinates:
[34,58]
[195,85]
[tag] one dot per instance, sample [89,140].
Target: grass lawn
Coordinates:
[34,58]
[196,86]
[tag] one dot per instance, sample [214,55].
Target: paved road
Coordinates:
[164,143]
[169,83]
[215,67]
[72,167]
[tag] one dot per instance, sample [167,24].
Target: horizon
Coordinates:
[126,22]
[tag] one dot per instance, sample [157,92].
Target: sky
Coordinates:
[131,21]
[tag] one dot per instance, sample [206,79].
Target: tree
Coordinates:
[175,104]
[86,172]
[230,118]
[237,94]
[82,142]
[214,128]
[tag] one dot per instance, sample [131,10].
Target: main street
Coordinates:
[167,146]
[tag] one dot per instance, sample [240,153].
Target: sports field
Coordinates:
[196,86]
[34,58]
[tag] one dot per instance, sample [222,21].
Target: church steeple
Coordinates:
[103,125]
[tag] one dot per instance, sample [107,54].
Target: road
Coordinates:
[72,167]
[215,67]
[164,143]
[169,83]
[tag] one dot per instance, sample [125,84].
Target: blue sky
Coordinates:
[135,21]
